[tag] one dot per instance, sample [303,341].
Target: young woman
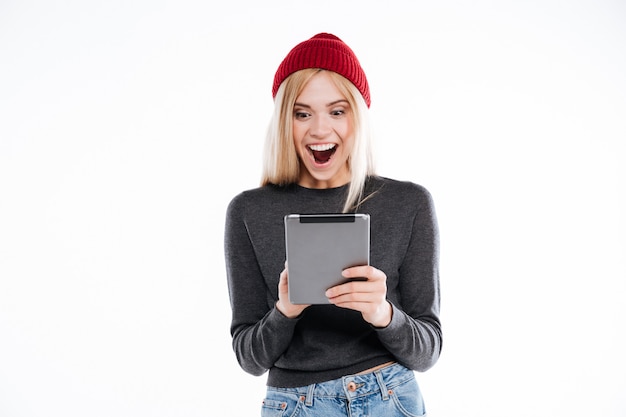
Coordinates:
[357,355]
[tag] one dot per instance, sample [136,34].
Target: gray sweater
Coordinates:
[326,342]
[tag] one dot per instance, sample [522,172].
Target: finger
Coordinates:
[355,290]
[363,271]
[283,280]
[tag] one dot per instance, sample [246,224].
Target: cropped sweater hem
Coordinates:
[288,378]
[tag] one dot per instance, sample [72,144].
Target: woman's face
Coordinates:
[323,133]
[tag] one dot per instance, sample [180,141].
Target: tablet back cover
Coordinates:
[319,247]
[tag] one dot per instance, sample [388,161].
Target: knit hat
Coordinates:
[327,52]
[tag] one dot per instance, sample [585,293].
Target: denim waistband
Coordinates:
[352,386]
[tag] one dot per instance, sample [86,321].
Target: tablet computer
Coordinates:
[319,247]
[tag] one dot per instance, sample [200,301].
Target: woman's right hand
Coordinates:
[283,304]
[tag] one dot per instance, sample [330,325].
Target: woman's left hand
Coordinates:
[369,295]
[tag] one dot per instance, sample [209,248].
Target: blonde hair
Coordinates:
[281,165]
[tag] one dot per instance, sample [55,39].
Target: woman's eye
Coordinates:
[300,115]
[337,112]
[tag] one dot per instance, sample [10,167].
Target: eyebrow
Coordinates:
[328,105]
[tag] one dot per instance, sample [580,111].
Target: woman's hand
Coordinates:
[368,296]
[283,304]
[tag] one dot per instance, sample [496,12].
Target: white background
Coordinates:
[127,126]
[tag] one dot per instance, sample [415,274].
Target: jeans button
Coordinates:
[351,386]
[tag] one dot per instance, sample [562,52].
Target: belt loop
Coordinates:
[381,384]
[309,395]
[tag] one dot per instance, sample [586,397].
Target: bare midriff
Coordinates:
[376,368]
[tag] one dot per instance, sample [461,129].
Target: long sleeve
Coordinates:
[260,333]
[414,335]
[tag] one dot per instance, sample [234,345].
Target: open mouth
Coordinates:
[322,153]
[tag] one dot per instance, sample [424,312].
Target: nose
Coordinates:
[320,127]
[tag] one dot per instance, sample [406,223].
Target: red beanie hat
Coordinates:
[327,52]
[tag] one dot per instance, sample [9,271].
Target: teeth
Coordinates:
[324,147]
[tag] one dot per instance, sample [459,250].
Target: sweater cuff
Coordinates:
[281,317]
[396,322]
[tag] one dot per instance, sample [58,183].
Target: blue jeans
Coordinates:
[390,392]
